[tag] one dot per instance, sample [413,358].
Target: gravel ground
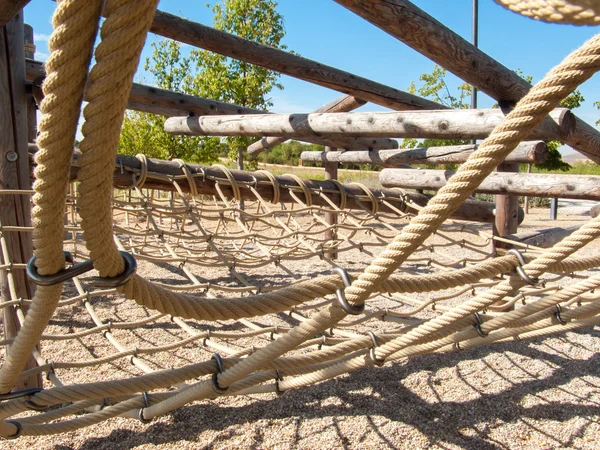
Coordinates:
[542,393]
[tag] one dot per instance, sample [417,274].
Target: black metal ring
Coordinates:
[122,278]
[347,307]
[215,378]
[79,269]
[141,413]
[22,393]
[478,324]
[19,429]
[558,313]
[61,275]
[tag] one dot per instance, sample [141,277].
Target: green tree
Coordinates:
[144,133]
[597,105]
[435,88]
[229,80]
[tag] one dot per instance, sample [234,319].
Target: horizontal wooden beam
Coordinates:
[205,177]
[543,238]
[585,187]
[9,9]
[154,100]
[417,29]
[534,152]
[346,103]
[296,66]
[444,124]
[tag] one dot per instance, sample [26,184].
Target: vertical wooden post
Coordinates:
[527,198]
[507,209]
[14,173]
[31,104]
[331,173]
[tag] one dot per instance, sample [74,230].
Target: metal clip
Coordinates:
[141,413]
[347,307]
[215,380]
[80,269]
[558,313]
[478,323]
[18,394]
[526,278]
[377,361]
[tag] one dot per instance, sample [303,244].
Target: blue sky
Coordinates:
[326,32]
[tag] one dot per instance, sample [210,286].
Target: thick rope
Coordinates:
[75,25]
[575,12]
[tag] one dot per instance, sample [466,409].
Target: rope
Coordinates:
[71,44]
[575,12]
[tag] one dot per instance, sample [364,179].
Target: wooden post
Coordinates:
[331,173]
[14,173]
[527,198]
[31,103]
[507,209]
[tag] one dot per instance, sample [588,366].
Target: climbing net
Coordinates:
[247,298]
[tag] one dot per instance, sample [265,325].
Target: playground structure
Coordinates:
[273,324]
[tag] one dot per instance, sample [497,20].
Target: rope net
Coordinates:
[105,355]
[251,285]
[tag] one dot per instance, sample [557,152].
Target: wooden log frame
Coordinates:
[543,238]
[198,35]
[531,152]
[346,103]
[417,29]
[471,210]
[9,9]
[441,124]
[584,187]
[14,174]
[167,103]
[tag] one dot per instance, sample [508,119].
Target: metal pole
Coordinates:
[475,42]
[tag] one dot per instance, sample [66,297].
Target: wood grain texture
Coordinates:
[154,100]
[417,29]
[471,210]
[201,36]
[531,152]
[15,209]
[9,9]
[441,124]
[346,103]
[585,187]
[507,208]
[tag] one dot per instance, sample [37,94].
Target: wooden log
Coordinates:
[31,102]
[471,210]
[442,124]
[296,66]
[507,208]
[343,104]
[9,9]
[543,238]
[417,29]
[331,173]
[533,152]
[14,174]
[585,187]
[154,100]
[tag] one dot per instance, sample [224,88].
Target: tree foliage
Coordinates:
[434,87]
[210,75]
[233,81]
